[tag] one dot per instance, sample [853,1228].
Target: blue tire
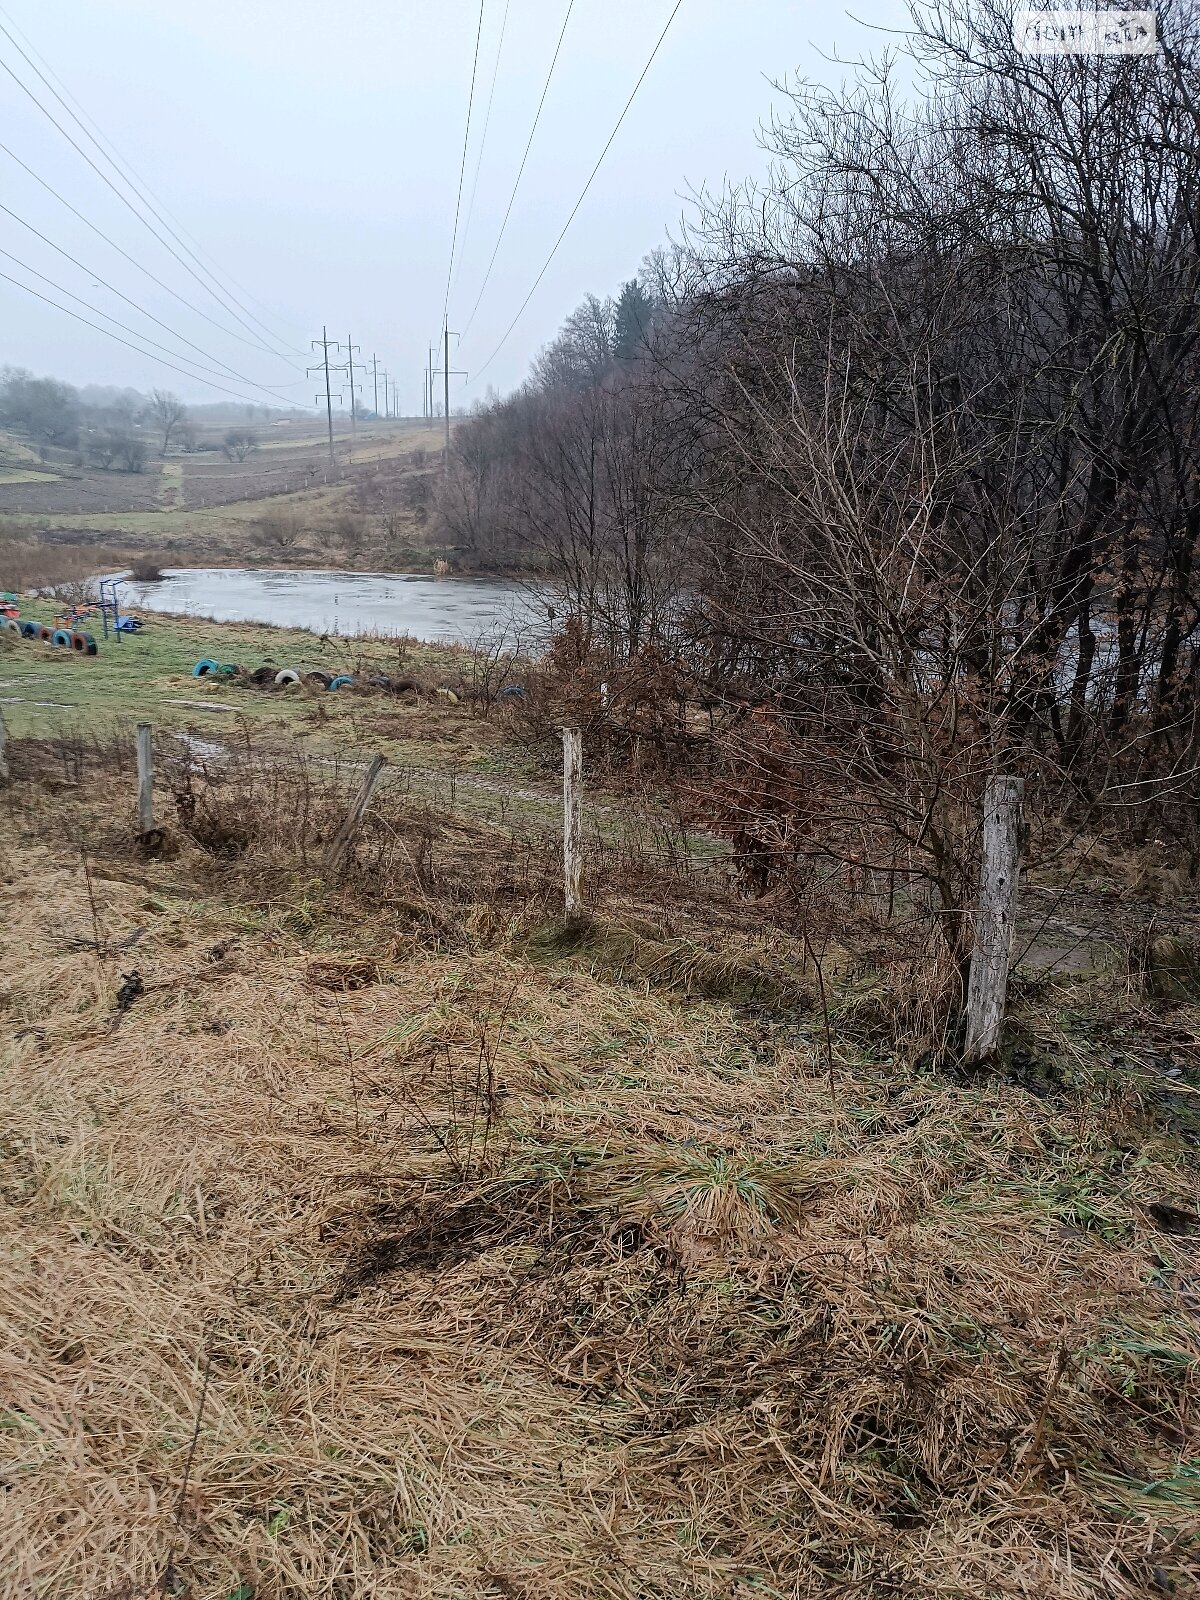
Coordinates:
[229,669]
[61,638]
[31,630]
[203,668]
[340,683]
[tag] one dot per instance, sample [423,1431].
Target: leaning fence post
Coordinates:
[344,837]
[996,916]
[573,821]
[145,771]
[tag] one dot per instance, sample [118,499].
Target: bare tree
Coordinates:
[169,413]
[239,443]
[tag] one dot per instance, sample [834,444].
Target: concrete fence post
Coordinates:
[995,917]
[573,822]
[145,773]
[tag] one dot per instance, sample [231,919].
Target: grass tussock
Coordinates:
[374,1253]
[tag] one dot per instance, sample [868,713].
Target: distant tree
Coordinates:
[169,413]
[239,442]
[583,351]
[44,409]
[631,319]
[129,453]
[101,448]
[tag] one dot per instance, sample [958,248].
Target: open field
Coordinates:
[382,1236]
[204,509]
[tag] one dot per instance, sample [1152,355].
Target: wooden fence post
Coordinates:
[4,774]
[344,837]
[573,821]
[995,918]
[145,772]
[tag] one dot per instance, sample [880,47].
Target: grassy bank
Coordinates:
[149,674]
[498,1274]
[371,1233]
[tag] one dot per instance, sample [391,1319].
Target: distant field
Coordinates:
[67,489]
[202,508]
[284,462]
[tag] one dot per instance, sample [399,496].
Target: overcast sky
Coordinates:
[312,149]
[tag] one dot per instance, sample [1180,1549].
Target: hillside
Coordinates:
[370,1232]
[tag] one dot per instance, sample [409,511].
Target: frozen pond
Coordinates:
[436,610]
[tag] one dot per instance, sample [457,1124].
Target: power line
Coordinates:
[66,310]
[487,122]
[145,338]
[583,193]
[521,169]
[128,204]
[112,289]
[462,171]
[114,158]
[133,261]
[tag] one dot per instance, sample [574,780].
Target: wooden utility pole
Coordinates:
[573,822]
[344,837]
[145,772]
[323,344]
[995,918]
[429,372]
[375,377]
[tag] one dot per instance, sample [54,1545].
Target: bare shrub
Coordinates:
[280,530]
[146,570]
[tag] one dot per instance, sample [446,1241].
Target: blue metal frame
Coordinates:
[113,585]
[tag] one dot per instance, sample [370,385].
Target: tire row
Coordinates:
[83,644]
[262,676]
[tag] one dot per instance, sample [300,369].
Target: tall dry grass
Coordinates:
[378,1249]
[30,561]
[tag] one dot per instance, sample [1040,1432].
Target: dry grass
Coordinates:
[474,1272]
[29,563]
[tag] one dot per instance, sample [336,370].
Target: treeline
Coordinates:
[108,427]
[902,470]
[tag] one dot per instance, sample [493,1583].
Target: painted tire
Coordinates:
[14,627]
[319,680]
[203,668]
[89,643]
[61,638]
[46,635]
[79,642]
[31,630]
[229,669]
[341,683]
[286,676]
